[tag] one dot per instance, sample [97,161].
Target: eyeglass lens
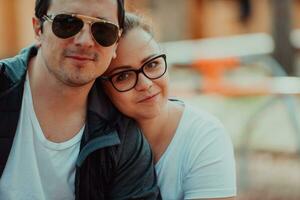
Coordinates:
[126,80]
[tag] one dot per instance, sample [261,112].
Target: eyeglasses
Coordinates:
[67,25]
[126,80]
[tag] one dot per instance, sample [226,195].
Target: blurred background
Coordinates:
[238,59]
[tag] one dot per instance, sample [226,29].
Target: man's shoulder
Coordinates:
[14,67]
[10,67]
[9,73]
[131,136]
[128,129]
[101,108]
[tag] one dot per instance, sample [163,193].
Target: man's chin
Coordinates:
[77,82]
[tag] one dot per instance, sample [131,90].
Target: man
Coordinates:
[60,137]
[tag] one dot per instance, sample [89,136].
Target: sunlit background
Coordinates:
[238,59]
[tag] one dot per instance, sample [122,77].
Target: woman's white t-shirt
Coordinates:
[199,161]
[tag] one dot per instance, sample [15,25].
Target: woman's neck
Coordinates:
[161,129]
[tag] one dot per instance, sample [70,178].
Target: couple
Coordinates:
[60,136]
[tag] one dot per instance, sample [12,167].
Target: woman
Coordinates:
[193,155]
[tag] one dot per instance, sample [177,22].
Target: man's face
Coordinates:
[78,60]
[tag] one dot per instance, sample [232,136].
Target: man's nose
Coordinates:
[84,37]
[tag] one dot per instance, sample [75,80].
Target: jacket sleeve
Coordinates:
[134,176]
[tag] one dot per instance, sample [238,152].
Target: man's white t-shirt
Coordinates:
[38,169]
[199,161]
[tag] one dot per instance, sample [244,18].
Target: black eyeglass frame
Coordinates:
[85,19]
[137,72]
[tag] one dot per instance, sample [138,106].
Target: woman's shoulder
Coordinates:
[201,114]
[196,111]
[198,127]
[197,118]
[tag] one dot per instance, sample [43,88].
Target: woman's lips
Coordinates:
[148,98]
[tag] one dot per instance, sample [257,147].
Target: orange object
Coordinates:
[213,81]
[213,71]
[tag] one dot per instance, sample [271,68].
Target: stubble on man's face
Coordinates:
[61,55]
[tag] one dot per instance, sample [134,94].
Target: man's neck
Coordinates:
[59,108]
[44,85]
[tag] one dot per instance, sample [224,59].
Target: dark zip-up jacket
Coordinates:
[114,162]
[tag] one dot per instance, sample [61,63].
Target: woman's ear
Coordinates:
[37,28]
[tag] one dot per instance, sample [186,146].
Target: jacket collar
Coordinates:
[14,68]
[12,79]
[102,116]
[99,103]
[15,71]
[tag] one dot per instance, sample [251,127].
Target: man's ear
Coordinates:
[116,45]
[115,51]
[37,28]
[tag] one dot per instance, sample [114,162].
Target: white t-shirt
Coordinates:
[38,169]
[199,161]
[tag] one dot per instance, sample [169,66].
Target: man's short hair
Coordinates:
[42,6]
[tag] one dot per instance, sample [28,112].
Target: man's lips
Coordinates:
[80,58]
[147,98]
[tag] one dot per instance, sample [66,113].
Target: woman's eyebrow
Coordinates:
[126,67]
[148,58]
[121,68]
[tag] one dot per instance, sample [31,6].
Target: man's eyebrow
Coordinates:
[105,19]
[102,18]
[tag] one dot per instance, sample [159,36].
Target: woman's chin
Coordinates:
[147,114]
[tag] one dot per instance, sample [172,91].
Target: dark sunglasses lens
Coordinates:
[65,26]
[104,33]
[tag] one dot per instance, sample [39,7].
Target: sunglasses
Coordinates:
[65,26]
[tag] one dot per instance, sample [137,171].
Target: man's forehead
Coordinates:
[87,1]
[106,9]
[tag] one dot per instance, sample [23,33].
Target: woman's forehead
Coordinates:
[137,42]
[134,48]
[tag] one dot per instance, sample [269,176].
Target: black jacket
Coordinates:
[115,161]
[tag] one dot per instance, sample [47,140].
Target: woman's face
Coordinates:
[148,98]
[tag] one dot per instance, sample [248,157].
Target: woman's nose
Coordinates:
[143,83]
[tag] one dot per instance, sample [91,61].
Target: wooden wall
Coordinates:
[15,26]
[172,19]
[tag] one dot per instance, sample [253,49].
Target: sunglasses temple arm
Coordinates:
[104,78]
